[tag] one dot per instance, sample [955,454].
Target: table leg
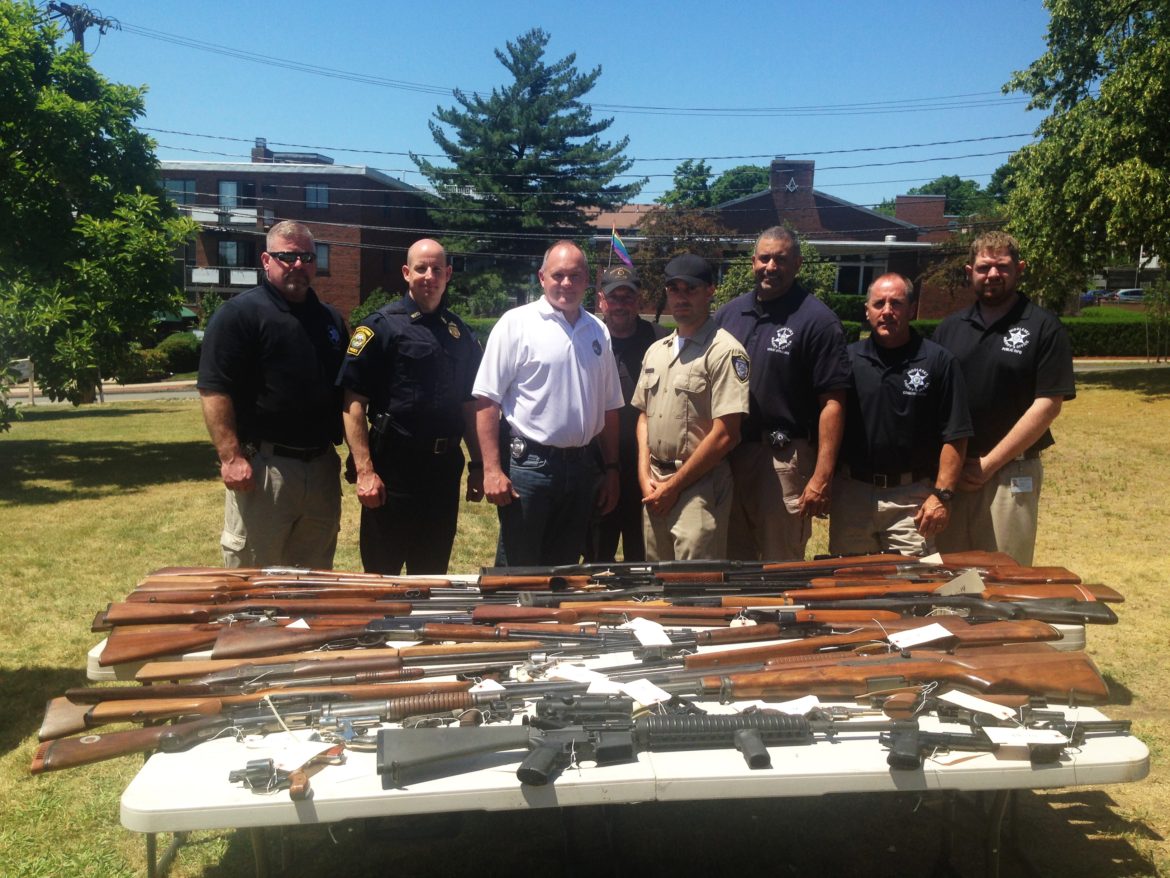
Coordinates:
[999,804]
[260,851]
[156,866]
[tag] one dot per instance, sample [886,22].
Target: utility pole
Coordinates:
[81,19]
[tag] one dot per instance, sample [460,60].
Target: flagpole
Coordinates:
[609,262]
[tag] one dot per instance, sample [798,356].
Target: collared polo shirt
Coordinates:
[1023,355]
[553,380]
[797,349]
[278,362]
[904,404]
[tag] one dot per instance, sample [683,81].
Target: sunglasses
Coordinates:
[289,257]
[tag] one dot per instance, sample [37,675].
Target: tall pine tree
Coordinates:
[526,163]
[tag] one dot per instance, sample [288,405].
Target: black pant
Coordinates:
[625,521]
[416,524]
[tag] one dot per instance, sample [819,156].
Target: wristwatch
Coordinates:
[944,494]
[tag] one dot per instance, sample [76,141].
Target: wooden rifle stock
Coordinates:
[278,593]
[961,631]
[137,612]
[71,752]
[62,717]
[1062,676]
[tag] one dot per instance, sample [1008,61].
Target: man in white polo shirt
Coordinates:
[548,369]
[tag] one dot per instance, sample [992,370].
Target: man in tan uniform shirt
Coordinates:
[692,394]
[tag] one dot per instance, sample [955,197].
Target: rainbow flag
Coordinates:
[619,247]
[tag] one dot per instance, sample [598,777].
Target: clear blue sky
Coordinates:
[823,77]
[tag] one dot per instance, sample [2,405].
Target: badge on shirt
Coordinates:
[358,340]
[740,363]
[454,330]
[597,347]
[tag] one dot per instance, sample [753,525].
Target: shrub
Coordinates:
[180,352]
[141,365]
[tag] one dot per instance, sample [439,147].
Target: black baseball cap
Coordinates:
[694,270]
[619,276]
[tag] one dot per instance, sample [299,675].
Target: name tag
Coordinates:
[1021,485]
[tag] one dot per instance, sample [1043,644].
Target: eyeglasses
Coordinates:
[289,257]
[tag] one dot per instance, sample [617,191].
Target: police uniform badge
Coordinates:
[740,363]
[358,340]
[597,347]
[454,330]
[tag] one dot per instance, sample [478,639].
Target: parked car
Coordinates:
[1093,297]
[1133,296]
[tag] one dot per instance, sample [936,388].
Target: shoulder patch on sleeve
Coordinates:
[358,340]
[740,363]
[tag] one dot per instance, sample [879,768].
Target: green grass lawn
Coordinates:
[93,498]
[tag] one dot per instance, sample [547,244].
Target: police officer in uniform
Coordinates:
[1017,361]
[410,366]
[783,468]
[692,393]
[266,384]
[630,336]
[906,429]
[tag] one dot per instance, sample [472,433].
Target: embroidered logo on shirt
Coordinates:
[597,347]
[740,364]
[358,340]
[916,382]
[334,336]
[781,342]
[1016,340]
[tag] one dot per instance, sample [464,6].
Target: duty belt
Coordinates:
[889,480]
[272,449]
[428,445]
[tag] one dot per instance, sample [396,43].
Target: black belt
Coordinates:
[667,466]
[889,480]
[549,451]
[427,445]
[274,450]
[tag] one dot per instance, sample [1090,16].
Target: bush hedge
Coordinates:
[142,365]
[180,351]
[1105,336]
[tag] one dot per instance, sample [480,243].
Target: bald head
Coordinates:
[426,273]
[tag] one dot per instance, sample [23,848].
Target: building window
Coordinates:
[236,193]
[317,195]
[322,259]
[180,191]
[854,276]
[237,254]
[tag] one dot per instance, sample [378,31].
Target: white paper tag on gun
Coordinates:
[1018,736]
[647,631]
[967,582]
[299,623]
[917,636]
[645,692]
[978,705]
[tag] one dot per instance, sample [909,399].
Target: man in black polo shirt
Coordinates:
[783,467]
[266,382]
[906,429]
[630,336]
[412,364]
[1017,362]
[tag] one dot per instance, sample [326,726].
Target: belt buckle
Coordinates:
[441,445]
[880,480]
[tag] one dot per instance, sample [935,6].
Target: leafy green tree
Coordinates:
[526,163]
[1097,182]
[667,232]
[86,238]
[375,300]
[816,274]
[691,186]
[999,187]
[740,181]
[964,197]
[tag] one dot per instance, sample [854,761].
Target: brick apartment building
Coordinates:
[362,219]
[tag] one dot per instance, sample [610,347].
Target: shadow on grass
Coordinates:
[1153,383]
[56,412]
[1119,693]
[25,692]
[91,470]
[1074,832]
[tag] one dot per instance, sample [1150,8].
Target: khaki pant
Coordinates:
[765,522]
[1001,516]
[290,518]
[696,527]
[865,519]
